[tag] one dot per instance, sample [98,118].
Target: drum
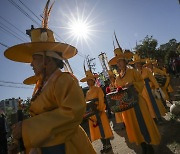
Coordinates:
[126,98]
[91,108]
[161,79]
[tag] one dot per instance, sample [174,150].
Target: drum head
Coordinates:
[123,100]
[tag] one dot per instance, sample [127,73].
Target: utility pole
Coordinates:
[104,63]
[68,66]
[90,65]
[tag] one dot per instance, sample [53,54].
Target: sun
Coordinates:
[79,29]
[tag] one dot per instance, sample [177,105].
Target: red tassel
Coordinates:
[108,90]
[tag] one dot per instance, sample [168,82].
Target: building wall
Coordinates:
[12,102]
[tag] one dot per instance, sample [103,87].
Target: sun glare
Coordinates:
[79,29]
[81,26]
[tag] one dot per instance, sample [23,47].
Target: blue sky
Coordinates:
[131,19]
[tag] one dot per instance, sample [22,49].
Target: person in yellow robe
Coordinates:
[98,124]
[168,86]
[140,126]
[57,106]
[155,105]
[112,87]
[156,70]
[118,51]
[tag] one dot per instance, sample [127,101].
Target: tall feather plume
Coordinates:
[114,45]
[46,14]
[117,41]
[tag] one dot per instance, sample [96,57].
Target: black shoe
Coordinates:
[144,147]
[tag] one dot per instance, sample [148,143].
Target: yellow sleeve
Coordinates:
[138,81]
[101,104]
[167,81]
[152,79]
[63,119]
[158,71]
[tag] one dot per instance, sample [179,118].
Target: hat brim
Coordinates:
[147,64]
[136,61]
[127,56]
[31,80]
[88,78]
[23,52]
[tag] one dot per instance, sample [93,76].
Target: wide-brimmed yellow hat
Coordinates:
[119,54]
[136,59]
[89,75]
[42,39]
[31,80]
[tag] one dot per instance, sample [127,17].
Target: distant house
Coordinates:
[12,102]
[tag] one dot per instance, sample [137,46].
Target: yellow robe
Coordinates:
[96,92]
[167,85]
[56,115]
[146,73]
[129,116]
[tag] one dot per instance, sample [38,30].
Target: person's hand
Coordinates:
[17,130]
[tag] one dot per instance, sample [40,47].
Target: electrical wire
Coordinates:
[24,12]
[4,45]
[11,33]
[15,86]
[13,25]
[11,82]
[30,10]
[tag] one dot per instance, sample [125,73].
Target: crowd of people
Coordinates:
[58,104]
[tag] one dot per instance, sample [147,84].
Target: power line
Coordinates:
[13,26]
[10,82]
[39,19]
[22,11]
[25,13]
[59,38]
[80,54]
[11,33]
[30,10]
[15,86]
[4,45]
